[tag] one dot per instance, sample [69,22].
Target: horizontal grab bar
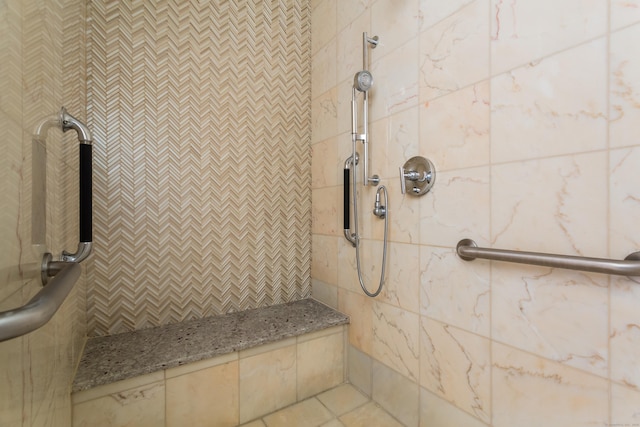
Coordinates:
[630,266]
[41,308]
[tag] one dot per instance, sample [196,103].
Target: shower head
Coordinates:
[363,80]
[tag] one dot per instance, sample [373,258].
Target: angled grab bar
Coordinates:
[41,308]
[630,266]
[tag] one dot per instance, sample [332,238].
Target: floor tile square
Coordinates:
[343,399]
[308,413]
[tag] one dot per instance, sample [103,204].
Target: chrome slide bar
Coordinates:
[41,308]
[630,266]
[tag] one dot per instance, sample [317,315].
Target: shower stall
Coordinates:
[219,131]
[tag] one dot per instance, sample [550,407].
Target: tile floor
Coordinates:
[343,406]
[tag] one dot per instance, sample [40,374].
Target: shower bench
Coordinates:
[230,369]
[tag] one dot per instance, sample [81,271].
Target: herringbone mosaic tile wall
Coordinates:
[201,120]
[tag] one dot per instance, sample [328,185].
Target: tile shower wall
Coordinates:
[202,158]
[530,111]
[42,64]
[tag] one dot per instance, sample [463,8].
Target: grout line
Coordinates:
[490,226]
[610,280]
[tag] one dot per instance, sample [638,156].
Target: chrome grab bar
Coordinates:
[85,221]
[41,308]
[630,266]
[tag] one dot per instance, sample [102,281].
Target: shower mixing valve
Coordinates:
[420,172]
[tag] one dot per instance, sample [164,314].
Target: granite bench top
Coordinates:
[122,356]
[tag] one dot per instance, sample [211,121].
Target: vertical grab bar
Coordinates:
[347,199]
[85,244]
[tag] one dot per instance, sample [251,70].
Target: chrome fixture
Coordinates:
[379,209]
[41,308]
[421,174]
[66,122]
[347,198]
[69,122]
[630,266]
[362,82]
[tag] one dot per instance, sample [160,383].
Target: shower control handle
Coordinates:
[420,172]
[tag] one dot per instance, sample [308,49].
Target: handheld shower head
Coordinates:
[363,80]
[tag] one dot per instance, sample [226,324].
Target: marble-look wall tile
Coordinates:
[624,200]
[325,249]
[347,272]
[323,173]
[350,11]
[433,11]
[140,407]
[524,31]
[558,315]
[454,129]
[437,412]
[267,382]
[401,287]
[323,24]
[323,69]
[456,365]
[325,211]
[359,370]
[320,364]
[11,25]
[186,403]
[11,181]
[325,293]
[396,394]
[624,86]
[324,116]
[537,309]
[404,215]
[395,78]
[454,291]
[555,195]
[11,360]
[359,309]
[624,12]
[529,392]
[349,44]
[396,339]
[445,213]
[371,250]
[394,22]
[625,410]
[557,105]
[447,48]
[402,143]
[625,332]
